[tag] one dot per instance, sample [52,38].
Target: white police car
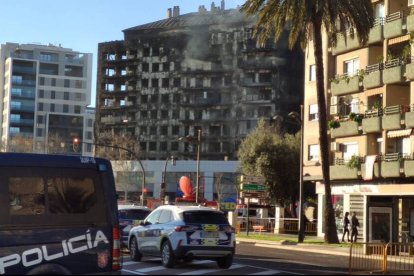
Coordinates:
[184,232]
[130,216]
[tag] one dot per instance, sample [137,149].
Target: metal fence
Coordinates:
[381,258]
[285,225]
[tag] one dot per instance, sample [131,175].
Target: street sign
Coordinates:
[253,179]
[252,195]
[253,187]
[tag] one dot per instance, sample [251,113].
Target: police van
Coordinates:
[58,215]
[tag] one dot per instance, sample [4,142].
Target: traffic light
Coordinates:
[75,144]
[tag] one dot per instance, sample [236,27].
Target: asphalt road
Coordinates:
[249,260]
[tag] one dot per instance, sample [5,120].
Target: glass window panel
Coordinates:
[26,196]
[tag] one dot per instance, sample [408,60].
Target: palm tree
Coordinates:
[306,19]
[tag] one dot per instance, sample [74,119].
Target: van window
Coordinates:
[205,217]
[26,196]
[48,196]
[70,195]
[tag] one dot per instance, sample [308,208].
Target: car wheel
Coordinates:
[134,251]
[225,262]
[167,256]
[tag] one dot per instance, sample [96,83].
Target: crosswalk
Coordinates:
[152,266]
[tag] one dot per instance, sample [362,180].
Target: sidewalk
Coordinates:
[332,249]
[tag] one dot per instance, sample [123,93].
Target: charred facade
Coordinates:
[204,70]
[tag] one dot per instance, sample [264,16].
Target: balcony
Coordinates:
[393,71]
[345,44]
[376,173]
[390,166]
[409,68]
[409,118]
[373,76]
[376,33]
[392,117]
[346,128]
[342,172]
[371,125]
[410,23]
[394,25]
[408,167]
[345,84]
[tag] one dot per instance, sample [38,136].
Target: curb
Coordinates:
[287,245]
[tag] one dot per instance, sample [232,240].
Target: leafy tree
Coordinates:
[266,152]
[18,143]
[306,20]
[107,146]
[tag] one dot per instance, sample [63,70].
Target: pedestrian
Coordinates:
[355,225]
[346,227]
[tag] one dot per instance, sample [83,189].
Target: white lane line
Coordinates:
[202,262]
[129,263]
[267,272]
[205,271]
[149,269]
[133,272]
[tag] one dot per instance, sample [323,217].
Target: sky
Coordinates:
[81,24]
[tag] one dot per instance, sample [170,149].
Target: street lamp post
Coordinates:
[164,183]
[192,139]
[77,141]
[198,165]
[301,215]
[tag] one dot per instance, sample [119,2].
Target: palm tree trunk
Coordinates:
[331,235]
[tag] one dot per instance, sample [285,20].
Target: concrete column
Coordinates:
[279,219]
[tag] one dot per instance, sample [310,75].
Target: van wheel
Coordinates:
[134,251]
[225,262]
[167,256]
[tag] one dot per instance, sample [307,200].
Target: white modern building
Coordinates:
[46,91]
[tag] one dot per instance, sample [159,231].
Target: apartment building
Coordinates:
[198,71]
[46,91]
[370,92]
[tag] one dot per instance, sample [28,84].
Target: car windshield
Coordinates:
[204,217]
[135,214]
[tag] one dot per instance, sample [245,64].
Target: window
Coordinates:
[66,83]
[65,108]
[174,146]
[312,72]
[166,216]
[204,217]
[153,217]
[351,67]
[313,152]
[52,107]
[313,112]
[26,196]
[155,67]
[350,149]
[77,109]
[53,95]
[70,195]
[66,96]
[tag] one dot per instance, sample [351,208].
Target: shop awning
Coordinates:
[399,133]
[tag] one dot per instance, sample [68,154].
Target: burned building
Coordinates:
[197,71]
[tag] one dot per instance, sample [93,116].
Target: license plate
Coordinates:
[210,235]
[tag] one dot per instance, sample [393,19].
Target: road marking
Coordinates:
[133,272]
[205,271]
[149,269]
[129,263]
[202,262]
[267,272]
